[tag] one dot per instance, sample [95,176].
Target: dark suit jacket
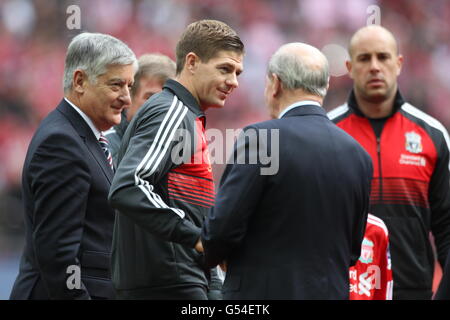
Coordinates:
[68,221]
[293,234]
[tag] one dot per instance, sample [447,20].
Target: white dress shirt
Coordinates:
[298,104]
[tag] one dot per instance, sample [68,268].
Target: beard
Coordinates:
[376,96]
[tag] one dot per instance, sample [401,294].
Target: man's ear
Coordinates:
[399,64]
[277,85]
[192,61]
[349,66]
[79,81]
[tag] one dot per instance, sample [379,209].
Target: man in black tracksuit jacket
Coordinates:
[163,185]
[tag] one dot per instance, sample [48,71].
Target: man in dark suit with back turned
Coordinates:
[67,175]
[292,234]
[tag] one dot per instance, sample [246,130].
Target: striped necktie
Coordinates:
[104,144]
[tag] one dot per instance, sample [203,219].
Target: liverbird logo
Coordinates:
[413,142]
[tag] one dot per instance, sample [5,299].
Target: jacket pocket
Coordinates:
[96,264]
[99,288]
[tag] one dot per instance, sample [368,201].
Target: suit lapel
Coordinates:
[88,137]
[96,150]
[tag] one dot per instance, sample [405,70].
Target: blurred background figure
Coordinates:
[371,276]
[154,70]
[34,36]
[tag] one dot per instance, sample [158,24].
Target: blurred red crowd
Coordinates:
[34,36]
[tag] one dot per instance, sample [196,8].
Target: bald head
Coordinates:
[374,67]
[372,34]
[311,57]
[301,66]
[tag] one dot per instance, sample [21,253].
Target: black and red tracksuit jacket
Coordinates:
[410,188]
[162,190]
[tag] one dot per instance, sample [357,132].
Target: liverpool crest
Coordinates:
[413,142]
[366,251]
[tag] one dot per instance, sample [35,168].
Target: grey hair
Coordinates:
[93,53]
[294,73]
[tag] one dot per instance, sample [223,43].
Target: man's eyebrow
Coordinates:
[116,80]
[369,53]
[231,65]
[228,64]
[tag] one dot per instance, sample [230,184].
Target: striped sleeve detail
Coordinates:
[156,152]
[432,122]
[378,222]
[339,111]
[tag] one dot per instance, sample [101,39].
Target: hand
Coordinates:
[199,246]
[223,266]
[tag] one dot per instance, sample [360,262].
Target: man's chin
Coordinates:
[115,121]
[376,97]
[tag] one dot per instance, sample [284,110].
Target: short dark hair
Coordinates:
[206,38]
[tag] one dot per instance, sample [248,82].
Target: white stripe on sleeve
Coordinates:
[333,114]
[157,150]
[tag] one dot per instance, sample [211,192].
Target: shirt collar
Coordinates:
[351,102]
[298,104]
[88,120]
[184,95]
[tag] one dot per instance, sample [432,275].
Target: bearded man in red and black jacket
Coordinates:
[410,154]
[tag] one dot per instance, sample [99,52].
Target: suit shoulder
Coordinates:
[55,126]
[347,144]
[268,124]
[56,135]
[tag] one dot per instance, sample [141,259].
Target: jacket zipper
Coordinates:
[379,169]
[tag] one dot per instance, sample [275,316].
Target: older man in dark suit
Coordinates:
[291,230]
[67,175]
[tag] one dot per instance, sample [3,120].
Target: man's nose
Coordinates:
[232,81]
[125,97]
[374,64]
